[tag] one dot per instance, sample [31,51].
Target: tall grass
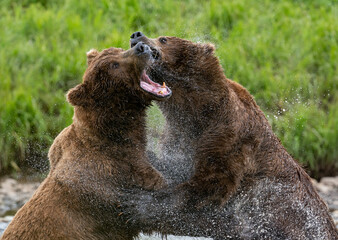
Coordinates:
[284,52]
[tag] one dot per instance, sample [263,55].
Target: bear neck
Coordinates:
[199,91]
[190,113]
[191,107]
[112,126]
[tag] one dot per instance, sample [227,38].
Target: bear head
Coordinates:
[181,63]
[115,77]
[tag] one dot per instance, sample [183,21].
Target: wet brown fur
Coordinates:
[101,151]
[217,127]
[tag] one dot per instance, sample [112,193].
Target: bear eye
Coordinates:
[115,65]
[163,40]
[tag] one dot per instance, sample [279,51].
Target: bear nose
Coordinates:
[141,48]
[135,38]
[136,35]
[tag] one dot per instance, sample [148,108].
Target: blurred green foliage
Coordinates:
[284,52]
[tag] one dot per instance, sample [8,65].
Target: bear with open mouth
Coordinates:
[102,151]
[235,179]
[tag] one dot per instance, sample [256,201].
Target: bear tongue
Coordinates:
[153,87]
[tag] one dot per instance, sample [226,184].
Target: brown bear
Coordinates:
[101,151]
[236,179]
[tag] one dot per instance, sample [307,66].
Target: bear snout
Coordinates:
[136,35]
[142,48]
[135,38]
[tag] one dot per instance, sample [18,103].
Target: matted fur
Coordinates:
[236,180]
[101,151]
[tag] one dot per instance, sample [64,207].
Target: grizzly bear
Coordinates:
[236,180]
[101,151]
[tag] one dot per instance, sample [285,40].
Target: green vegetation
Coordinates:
[284,52]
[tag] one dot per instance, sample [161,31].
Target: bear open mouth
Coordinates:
[161,91]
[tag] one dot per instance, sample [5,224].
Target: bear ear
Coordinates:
[209,48]
[77,96]
[91,54]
